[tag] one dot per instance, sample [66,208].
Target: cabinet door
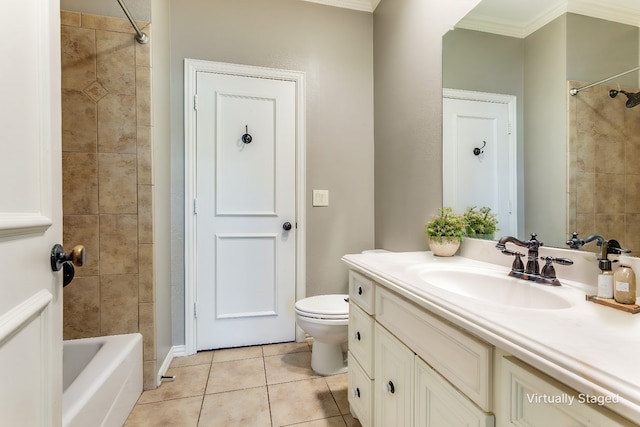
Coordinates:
[438,404]
[533,399]
[393,384]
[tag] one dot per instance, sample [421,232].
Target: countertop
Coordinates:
[591,348]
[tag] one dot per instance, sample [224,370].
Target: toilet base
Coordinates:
[328,359]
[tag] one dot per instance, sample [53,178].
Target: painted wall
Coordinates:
[408,116]
[333,46]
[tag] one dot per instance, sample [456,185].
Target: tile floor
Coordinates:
[270,386]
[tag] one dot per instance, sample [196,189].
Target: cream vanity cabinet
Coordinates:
[419,371]
[408,367]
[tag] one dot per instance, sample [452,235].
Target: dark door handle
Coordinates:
[286,226]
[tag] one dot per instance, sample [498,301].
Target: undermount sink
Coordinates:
[493,287]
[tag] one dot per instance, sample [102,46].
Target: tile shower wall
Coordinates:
[107,180]
[604,166]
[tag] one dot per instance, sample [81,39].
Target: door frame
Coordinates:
[511,102]
[191,68]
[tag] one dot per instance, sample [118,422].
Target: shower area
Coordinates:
[604,159]
[108,182]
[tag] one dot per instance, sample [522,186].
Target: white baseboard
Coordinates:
[174,351]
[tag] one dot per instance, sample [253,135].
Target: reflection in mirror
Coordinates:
[559,155]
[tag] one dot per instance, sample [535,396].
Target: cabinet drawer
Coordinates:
[463,360]
[534,399]
[440,404]
[361,337]
[360,392]
[362,291]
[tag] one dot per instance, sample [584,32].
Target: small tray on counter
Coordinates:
[610,302]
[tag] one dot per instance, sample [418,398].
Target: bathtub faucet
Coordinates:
[532,270]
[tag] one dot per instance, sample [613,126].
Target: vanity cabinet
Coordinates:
[395,384]
[410,366]
[532,398]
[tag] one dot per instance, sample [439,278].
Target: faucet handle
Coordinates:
[518,265]
[548,271]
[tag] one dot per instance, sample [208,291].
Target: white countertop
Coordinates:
[591,348]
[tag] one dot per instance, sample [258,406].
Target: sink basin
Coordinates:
[494,287]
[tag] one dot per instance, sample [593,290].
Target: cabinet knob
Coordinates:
[357,335]
[359,290]
[390,387]
[356,392]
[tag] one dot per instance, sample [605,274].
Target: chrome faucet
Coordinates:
[532,270]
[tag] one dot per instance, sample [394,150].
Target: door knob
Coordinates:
[60,260]
[286,226]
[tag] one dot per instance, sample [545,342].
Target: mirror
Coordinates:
[539,68]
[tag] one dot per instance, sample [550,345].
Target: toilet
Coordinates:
[325,318]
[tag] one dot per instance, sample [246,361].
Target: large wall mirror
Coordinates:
[578,156]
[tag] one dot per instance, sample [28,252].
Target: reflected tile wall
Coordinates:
[604,171]
[107,180]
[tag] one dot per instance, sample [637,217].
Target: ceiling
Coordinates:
[519,18]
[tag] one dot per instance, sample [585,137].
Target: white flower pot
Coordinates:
[445,248]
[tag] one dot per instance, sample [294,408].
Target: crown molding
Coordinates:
[362,5]
[592,8]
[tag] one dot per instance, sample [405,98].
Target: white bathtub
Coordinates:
[102,380]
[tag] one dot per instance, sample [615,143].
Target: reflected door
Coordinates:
[246,232]
[479,165]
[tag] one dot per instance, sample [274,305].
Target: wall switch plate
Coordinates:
[320,198]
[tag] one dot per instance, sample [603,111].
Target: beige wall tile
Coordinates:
[79,183]
[79,122]
[117,181]
[116,62]
[78,53]
[117,130]
[146,291]
[82,308]
[143,98]
[118,304]
[609,193]
[145,213]
[83,230]
[109,23]
[119,245]
[145,155]
[147,313]
[143,51]
[69,18]
[585,193]
[149,372]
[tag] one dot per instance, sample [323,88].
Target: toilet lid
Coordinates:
[324,306]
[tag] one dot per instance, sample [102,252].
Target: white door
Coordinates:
[30,214]
[246,206]
[479,157]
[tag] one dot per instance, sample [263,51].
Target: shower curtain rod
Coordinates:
[575,91]
[141,37]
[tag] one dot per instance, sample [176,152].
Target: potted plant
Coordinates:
[481,223]
[445,232]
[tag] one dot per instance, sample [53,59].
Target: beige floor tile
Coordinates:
[248,407]
[339,386]
[283,348]
[178,412]
[190,381]
[288,367]
[301,401]
[351,422]
[326,422]
[239,353]
[200,358]
[236,375]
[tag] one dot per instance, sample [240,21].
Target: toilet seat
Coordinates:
[324,307]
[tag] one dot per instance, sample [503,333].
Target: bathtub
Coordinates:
[102,380]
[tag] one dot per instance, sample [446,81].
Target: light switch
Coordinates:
[320,197]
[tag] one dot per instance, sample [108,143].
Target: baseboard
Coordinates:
[174,351]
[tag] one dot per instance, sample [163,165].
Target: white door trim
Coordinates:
[191,68]
[511,102]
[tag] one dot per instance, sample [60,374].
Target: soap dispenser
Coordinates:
[605,279]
